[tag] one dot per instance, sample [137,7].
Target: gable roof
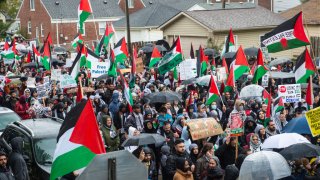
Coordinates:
[181,5]
[231,5]
[238,19]
[68,9]
[310,9]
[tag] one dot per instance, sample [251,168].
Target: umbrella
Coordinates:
[59,50]
[163,43]
[204,80]
[279,61]
[264,165]
[114,165]
[283,140]
[143,139]
[189,81]
[102,77]
[32,65]
[300,150]
[252,90]
[163,97]
[280,75]
[229,56]
[85,90]
[56,61]
[297,125]
[209,52]
[252,51]
[148,49]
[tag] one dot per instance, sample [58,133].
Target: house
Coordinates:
[4,17]
[60,17]
[211,27]
[311,21]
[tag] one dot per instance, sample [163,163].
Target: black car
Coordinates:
[39,137]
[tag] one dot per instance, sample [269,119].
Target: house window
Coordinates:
[131,3]
[102,27]
[41,30]
[84,29]
[32,5]
[37,32]
[29,27]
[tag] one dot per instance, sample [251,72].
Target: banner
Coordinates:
[290,93]
[236,126]
[67,81]
[188,69]
[139,65]
[221,74]
[99,68]
[203,128]
[265,80]
[56,74]
[314,121]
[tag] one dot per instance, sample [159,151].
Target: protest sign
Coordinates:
[56,74]
[99,68]
[139,65]
[314,121]
[31,82]
[265,80]
[203,128]
[41,90]
[221,74]
[188,69]
[125,71]
[236,126]
[290,93]
[67,81]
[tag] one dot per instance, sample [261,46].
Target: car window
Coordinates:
[7,118]
[44,150]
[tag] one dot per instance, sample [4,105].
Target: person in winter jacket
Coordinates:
[5,171]
[150,164]
[22,108]
[227,151]
[183,171]
[58,111]
[165,152]
[16,161]
[214,172]
[255,143]
[194,152]
[110,135]
[231,173]
[202,163]
[114,104]
[104,112]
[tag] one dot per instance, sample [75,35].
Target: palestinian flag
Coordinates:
[213,64]
[46,56]
[7,53]
[79,91]
[83,59]
[191,52]
[304,67]
[155,57]
[309,95]
[132,80]
[104,42]
[203,61]
[230,45]
[214,93]
[278,105]
[84,11]
[127,91]
[241,65]
[230,84]
[78,142]
[261,70]
[175,73]
[225,65]
[288,35]
[112,72]
[91,57]
[267,100]
[222,86]
[75,68]
[172,58]
[121,51]
[76,40]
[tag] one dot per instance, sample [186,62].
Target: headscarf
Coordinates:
[255,147]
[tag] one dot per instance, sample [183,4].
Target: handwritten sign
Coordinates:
[314,121]
[56,74]
[99,68]
[203,128]
[188,69]
[31,82]
[139,65]
[67,81]
[290,93]
[236,126]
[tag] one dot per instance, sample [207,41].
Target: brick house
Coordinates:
[39,17]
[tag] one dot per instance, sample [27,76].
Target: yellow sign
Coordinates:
[203,128]
[314,121]
[139,65]
[125,70]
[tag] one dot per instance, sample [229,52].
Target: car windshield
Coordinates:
[7,118]
[44,149]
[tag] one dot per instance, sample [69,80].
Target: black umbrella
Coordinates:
[210,52]
[32,65]
[59,50]
[163,97]
[189,81]
[57,62]
[300,150]
[143,139]
[163,43]
[252,51]
[102,77]
[148,49]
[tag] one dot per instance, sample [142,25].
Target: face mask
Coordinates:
[240,108]
[214,106]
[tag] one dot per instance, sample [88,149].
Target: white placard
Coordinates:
[188,69]
[8,61]
[290,93]
[265,80]
[31,82]
[221,74]
[67,81]
[56,74]
[99,68]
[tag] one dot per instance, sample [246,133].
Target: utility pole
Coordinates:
[128,31]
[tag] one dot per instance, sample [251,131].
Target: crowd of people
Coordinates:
[179,157]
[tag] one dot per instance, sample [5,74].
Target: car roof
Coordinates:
[5,110]
[39,128]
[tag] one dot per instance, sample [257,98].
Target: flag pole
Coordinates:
[311,89]
[94,23]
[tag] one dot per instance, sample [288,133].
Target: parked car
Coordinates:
[7,116]
[39,137]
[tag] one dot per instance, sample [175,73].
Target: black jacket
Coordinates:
[16,161]
[6,174]
[170,168]
[227,154]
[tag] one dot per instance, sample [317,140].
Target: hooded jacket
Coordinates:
[16,161]
[114,104]
[110,135]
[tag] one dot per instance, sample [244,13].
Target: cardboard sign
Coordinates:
[67,81]
[221,74]
[290,93]
[188,69]
[203,128]
[139,65]
[125,70]
[99,68]
[56,74]
[236,126]
[265,80]
[313,121]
